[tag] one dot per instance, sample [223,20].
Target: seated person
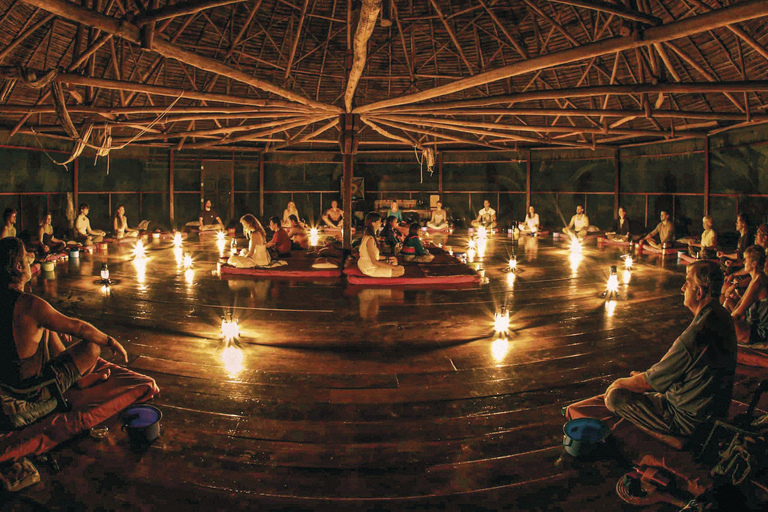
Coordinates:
[394,211]
[413,250]
[334,217]
[750,311]
[579,225]
[49,244]
[735,260]
[531,223]
[663,235]
[209,219]
[120,225]
[735,274]
[391,237]
[620,231]
[289,210]
[707,248]
[256,255]
[693,382]
[280,245]
[297,234]
[486,217]
[9,223]
[370,263]
[32,347]
[83,232]
[439,220]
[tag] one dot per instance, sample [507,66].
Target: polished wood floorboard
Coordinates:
[354,398]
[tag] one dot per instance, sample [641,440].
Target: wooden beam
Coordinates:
[312,135]
[130,32]
[717,116]
[742,11]
[295,44]
[581,92]
[159,90]
[365,25]
[621,12]
[514,42]
[259,134]
[182,9]
[452,35]
[22,36]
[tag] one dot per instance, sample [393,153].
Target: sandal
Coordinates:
[19,475]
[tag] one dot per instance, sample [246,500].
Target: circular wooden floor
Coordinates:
[361,398]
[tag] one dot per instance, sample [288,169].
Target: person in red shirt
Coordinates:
[280,245]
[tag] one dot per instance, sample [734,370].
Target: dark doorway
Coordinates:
[217,186]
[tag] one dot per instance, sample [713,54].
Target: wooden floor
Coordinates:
[356,398]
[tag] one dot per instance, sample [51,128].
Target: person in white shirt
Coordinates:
[531,224]
[579,225]
[486,217]
[120,225]
[83,232]
[707,248]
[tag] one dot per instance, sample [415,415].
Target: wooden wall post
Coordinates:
[261,184]
[616,182]
[440,175]
[348,140]
[76,189]
[171,207]
[706,175]
[527,181]
[232,188]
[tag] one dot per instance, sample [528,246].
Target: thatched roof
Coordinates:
[275,73]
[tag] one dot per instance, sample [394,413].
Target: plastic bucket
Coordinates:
[48,266]
[156,236]
[600,242]
[583,436]
[142,422]
[103,246]
[74,253]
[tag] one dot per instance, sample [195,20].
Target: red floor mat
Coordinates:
[750,356]
[89,408]
[298,266]
[443,270]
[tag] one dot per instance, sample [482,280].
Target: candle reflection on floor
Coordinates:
[499,349]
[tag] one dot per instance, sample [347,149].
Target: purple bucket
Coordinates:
[142,422]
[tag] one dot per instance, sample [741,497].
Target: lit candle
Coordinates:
[612,288]
[229,329]
[177,239]
[187,261]
[104,273]
[628,263]
[501,321]
[512,264]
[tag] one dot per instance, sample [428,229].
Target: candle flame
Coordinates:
[220,236]
[187,261]
[501,322]
[229,329]
[177,240]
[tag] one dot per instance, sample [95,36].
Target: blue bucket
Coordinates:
[142,422]
[583,436]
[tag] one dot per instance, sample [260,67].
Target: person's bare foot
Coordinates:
[93,378]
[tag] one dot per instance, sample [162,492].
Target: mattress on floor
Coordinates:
[753,355]
[669,251]
[89,407]
[443,270]
[298,265]
[688,259]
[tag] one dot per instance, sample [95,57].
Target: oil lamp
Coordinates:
[105,274]
[229,329]
[233,247]
[612,288]
[501,321]
[628,262]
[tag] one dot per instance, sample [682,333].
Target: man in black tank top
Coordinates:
[30,345]
[209,219]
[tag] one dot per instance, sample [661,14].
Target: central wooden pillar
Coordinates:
[616,183]
[348,140]
[706,175]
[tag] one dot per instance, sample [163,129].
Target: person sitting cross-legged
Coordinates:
[663,235]
[693,382]
[413,249]
[579,224]
[486,218]
[31,346]
[280,245]
[439,220]
[83,232]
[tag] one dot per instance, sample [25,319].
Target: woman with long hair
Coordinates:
[256,254]
[120,225]
[49,244]
[390,236]
[370,263]
[289,210]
